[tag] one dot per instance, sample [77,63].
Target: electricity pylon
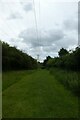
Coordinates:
[38,58]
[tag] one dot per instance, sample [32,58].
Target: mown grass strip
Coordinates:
[39,95]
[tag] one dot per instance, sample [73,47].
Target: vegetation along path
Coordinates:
[36,94]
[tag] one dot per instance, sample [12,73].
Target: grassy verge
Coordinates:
[11,77]
[0,95]
[70,79]
[0,82]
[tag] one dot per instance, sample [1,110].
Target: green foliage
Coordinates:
[69,61]
[46,60]
[61,67]
[14,59]
[62,52]
[12,77]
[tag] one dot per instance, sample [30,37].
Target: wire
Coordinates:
[37,28]
[35,19]
[39,22]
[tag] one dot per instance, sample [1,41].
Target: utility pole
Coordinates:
[38,58]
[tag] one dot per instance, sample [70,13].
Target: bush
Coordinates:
[70,61]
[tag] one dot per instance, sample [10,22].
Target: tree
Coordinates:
[14,59]
[62,52]
[46,60]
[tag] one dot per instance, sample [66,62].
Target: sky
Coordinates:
[39,27]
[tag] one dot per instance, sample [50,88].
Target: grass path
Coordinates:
[36,94]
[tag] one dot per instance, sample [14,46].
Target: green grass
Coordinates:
[0,95]
[0,82]
[10,78]
[70,79]
[36,94]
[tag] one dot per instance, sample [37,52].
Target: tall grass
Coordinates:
[11,77]
[70,79]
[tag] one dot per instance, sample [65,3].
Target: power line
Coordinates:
[38,58]
[36,24]
[35,19]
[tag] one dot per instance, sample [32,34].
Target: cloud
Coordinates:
[71,24]
[49,42]
[45,38]
[56,34]
[28,7]
[57,24]
[70,39]
[45,45]
[15,16]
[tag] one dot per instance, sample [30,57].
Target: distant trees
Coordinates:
[65,60]
[62,52]
[14,59]
[46,60]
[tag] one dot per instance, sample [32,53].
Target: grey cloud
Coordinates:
[66,43]
[49,42]
[53,48]
[56,34]
[15,16]
[46,38]
[28,7]
[71,24]
[46,42]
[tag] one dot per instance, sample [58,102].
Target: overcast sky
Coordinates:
[39,26]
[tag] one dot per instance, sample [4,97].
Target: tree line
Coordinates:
[67,60]
[15,59]
[66,68]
